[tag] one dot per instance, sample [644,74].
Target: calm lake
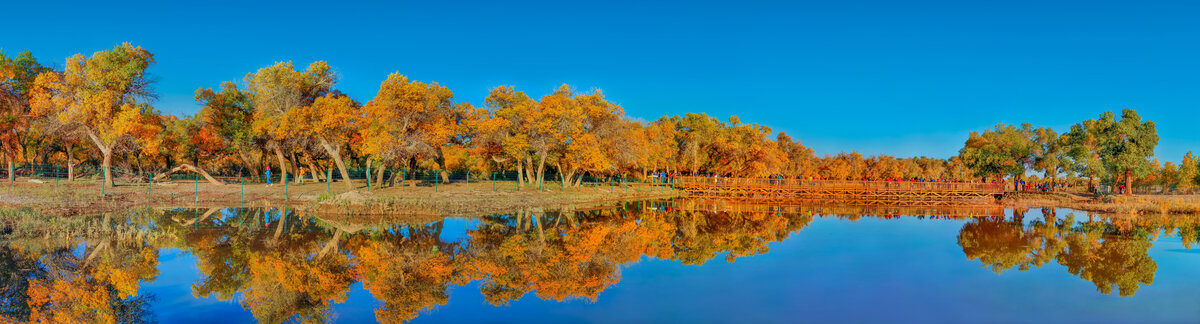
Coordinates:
[677,261]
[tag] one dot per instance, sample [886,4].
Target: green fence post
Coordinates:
[149,184]
[285,186]
[368,176]
[328,181]
[243,181]
[197,181]
[56,176]
[468,179]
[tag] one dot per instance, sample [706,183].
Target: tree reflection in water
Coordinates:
[283,265]
[1109,253]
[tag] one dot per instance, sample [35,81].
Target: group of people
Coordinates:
[1048,186]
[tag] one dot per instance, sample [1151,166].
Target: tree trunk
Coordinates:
[296,168]
[441,161]
[529,177]
[70,164]
[282,164]
[1128,182]
[379,174]
[337,158]
[191,168]
[106,151]
[1113,189]
[323,173]
[314,171]
[520,173]
[246,161]
[541,172]
[107,167]
[392,179]
[412,180]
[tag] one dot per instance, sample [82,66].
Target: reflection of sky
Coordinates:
[869,270]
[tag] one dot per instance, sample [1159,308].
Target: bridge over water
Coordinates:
[848,192]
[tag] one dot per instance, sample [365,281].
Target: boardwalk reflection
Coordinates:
[284,265]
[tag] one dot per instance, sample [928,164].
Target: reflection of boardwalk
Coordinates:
[844,192]
[792,207]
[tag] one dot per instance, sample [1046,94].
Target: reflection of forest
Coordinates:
[1111,252]
[1108,252]
[282,265]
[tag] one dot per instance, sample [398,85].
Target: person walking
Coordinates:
[269,176]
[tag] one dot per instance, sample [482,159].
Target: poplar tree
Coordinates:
[1127,146]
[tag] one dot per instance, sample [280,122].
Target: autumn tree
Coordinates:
[17,77]
[406,120]
[661,138]
[528,132]
[799,158]
[696,133]
[331,120]
[1189,172]
[278,89]
[227,117]
[583,131]
[103,96]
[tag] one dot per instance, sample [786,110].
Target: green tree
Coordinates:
[1127,145]
[1002,150]
[1049,153]
[1082,145]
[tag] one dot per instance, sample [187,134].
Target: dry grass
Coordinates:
[1140,204]
[84,197]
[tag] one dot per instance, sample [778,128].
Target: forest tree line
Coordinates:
[97,110]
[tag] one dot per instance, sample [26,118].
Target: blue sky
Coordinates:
[904,78]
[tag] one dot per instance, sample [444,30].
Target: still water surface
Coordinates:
[636,262]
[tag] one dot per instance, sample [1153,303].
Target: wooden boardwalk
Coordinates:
[888,193]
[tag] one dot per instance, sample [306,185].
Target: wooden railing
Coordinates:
[838,184]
